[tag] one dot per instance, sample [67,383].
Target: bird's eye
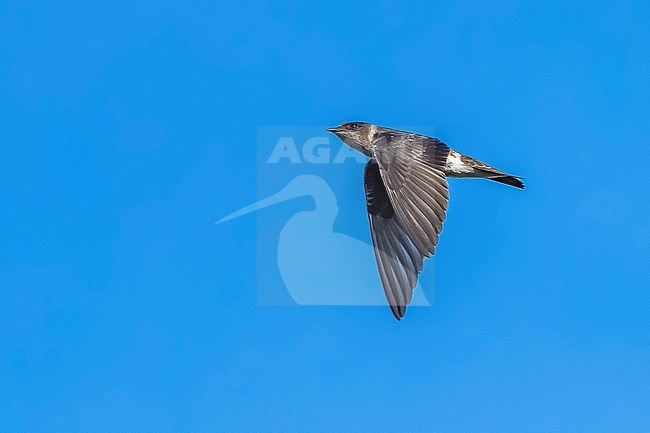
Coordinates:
[354,125]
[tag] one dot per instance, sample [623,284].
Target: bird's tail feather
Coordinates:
[509,180]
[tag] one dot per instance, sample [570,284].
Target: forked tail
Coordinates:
[509,180]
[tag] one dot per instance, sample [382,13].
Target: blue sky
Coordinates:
[127,130]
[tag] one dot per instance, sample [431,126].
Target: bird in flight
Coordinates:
[405,182]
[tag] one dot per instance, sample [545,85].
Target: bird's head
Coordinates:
[355,134]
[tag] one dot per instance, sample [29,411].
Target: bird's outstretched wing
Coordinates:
[406,197]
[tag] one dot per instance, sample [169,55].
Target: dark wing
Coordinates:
[398,260]
[406,194]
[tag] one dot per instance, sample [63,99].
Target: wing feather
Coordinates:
[406,196]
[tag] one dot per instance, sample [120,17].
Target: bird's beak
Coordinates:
[335,130]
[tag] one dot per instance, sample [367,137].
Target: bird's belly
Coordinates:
[455,167]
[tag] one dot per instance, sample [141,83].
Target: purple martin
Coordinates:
[406,198]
